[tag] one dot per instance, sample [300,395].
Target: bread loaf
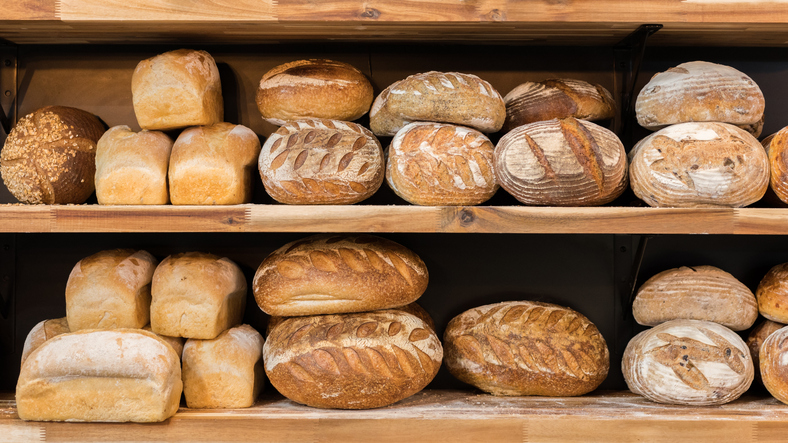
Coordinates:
[564,162]
[757,336]
[113,376]
[777,149]
[50,156]
[329,273]
[213,165]
[450,97]
[688,362]
[175,342]
[772,294]
[697,293]
[177,89]
[321,162]
[226,372]
[774,364]
[533,102]
[110,289]
[526,348]
[438,164]
[698,165]
[352,361]
[699,92]
[196,295]
[313,89]
[41,332]
[131,167]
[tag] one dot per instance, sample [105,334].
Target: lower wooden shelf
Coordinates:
[437,416]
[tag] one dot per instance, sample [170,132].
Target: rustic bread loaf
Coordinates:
[177,89]
[756,338]
[313,89]
[754,128]
[196,295]
[352,361]
[175,342]
[436,164]
[93,375]
[533,102]
[699,92]
[325,162]
[226,372]
[688,362]
[213,165]
[564,162]
[526,348]
[131,167]
[41,332]
[330,273]
[774,364]
[776,147]
[772,294]
[110,289]
[446,97]
[697,293]
[50,156]
[697,165]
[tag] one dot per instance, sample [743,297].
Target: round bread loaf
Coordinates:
[699,92]
[352,361]
[324,162]
[42,332]
[435,164]
[774,364]
[526,348]
[688,362]
[697,165]
[313,89]
[50,156]
[757,336]
[776,146]
[697,293]
[533,102]
[565,162]
[332,273]
[177,89]
[772,294]
[446,97]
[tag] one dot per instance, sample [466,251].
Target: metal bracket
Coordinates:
[8,87]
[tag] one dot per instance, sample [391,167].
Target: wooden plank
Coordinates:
[761,221]
[95,218]
[166,10]
[28,10]
[360,218]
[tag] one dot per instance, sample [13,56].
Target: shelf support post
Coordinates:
[7,299]
[8,87]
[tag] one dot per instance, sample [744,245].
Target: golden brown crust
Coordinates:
[777,147]
[757,336]
[42,332]
[772,294]
[774,370]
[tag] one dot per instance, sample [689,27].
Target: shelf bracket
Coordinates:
[8,87]
[633,277]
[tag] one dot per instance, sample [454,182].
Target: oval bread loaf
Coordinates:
[526,348]
[329,273]
[697,293]
[352,361]
[776,146]
[697,165]
[774,364]
[321,162]
[755,340]
[564,162]
[688,362]
[772,294]
[440,164]
[42,332]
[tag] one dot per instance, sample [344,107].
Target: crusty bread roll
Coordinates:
[699,92]
[196,295]
[110,289]
[131,167]
[42,332]
[774,364]
[565,162]
[213,165]
[325,162]
[313,89]
[776,146]
[112,376]
[177,89]
[688,362]
[331,273]
[440,164]
[697,165]
[772,294]
[352,361]
[226,372]
[533,102]
[445,97]
[697,293]
[175,342]
[755,340]
[50,156]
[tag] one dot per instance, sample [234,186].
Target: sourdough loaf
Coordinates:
[772,294]
[42,332]
[777,148]
[774,364]
[755,340]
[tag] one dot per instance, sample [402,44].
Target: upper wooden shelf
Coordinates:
[586,22]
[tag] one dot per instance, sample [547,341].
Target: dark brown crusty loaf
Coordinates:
[533,102]
[320,161]
[50,156]
[313,89]
[445,97]
[526,348]
[755,340]
[352,361]
[334,273]
[565,162]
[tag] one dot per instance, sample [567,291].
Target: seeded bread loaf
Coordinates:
[42,332]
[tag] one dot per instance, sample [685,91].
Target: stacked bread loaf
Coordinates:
[769,351]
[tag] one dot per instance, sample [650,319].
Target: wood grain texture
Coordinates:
[165,10]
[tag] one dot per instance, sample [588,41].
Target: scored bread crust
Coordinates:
[755,340]
[774,364]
